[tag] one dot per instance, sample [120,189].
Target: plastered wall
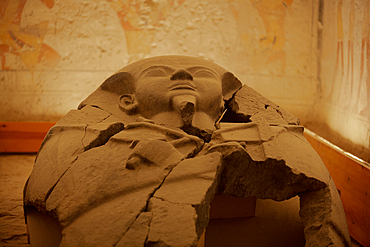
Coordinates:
[310,57]
[54,53]
[342,113]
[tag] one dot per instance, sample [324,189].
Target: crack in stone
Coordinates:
[147,236]
[123,235]
[103,136]
[96,106]
[205,135]
[52,188]
[280,113]
[150,196]
[159,186]
[128,190]
[232,114]
[110,114]
[82,139]
[111,197]
[15,236]
[245,166]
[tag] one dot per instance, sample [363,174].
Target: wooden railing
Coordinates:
[22,137]
[352,178]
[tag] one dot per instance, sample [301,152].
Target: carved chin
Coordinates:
[185,106]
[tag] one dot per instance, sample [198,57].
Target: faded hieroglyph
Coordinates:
[140,161]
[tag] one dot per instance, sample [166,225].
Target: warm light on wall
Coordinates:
[338,149]
[351,126]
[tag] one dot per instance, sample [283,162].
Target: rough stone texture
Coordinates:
[192,182]
[321,214]
[172,224]
[138,231]
[248,104]
[60,150]
[140,161]
[14,170]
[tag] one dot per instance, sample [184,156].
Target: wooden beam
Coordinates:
[22,137]
[352,178]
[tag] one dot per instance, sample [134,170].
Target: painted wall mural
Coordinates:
[272,44]
[362,101]
[350,86]
[269,46]
[344,109]
[363,93]
[140,20]
[259,27]
[24,41]
[53,53]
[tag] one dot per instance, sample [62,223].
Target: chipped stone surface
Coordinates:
[172,224]
[190,180]
[268,179]
[321,213]
[193,182]
[138,232]
[269,115]
[112,180]
[140,161]
[249,104]
[105,224]
[60,150]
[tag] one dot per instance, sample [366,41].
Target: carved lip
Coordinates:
[183,85]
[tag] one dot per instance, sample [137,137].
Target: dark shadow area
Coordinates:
[42,229]
[274,224]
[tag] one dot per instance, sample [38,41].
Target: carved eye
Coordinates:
[204,73]
[156,73]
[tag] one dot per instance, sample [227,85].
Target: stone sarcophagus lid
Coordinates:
[142,158]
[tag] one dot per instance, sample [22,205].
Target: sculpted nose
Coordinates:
[181,74]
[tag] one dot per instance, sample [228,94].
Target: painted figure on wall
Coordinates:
[140,20]
[271,45]
[236,6]
[25,42]
[362,97]
[350,87]
[272,13]
[339,63]
[350,84]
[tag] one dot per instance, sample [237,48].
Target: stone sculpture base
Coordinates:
[140,161]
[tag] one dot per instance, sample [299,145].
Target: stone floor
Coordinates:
[14,171]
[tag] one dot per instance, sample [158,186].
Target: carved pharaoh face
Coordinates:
[158,85]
